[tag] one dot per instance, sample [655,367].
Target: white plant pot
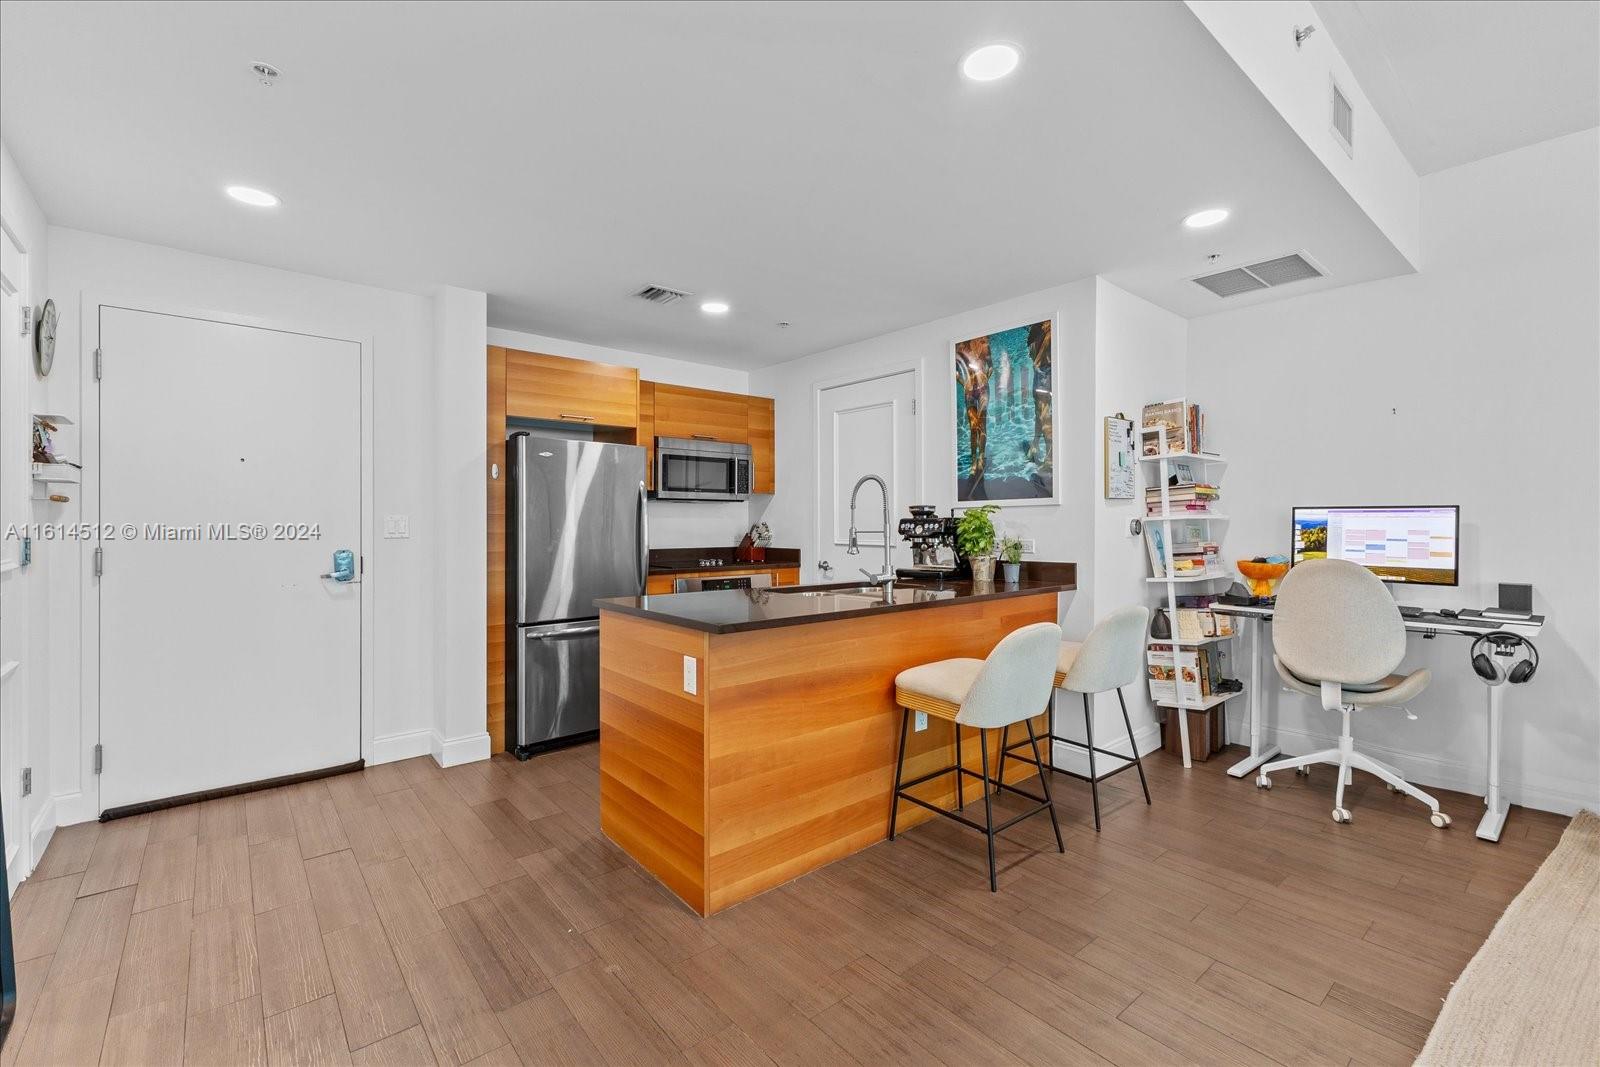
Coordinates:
[1012,571]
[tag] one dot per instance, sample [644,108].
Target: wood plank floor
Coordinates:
[407,915]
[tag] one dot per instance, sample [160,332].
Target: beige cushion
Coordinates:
[1068,653]
[949,680]
[1393,689]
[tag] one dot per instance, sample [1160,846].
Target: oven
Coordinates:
[693,469]
[732,581]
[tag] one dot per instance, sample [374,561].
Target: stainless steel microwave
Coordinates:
[689,468]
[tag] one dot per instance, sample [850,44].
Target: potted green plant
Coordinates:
[975,538]
[1011,559]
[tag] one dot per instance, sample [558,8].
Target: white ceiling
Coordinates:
[818,163]
[1457,81]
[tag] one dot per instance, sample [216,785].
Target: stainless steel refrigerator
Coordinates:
[577,531]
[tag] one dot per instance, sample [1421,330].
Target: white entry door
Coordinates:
[866,427]
[232,456]
[15,438]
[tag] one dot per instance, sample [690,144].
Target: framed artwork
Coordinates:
[1005,386]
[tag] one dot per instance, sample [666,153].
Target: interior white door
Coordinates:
[232,456]
[865,427]
[15,428]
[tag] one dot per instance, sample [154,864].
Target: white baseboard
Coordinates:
[73,808]
[1562,796]
[43,829]
[468,749]
[393,747]
[1071,758]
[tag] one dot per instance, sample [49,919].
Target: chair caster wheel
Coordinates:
[1439,819]
[1304,772]
[1341,814]
[1263,782]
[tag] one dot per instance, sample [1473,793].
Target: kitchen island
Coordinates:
[748,736]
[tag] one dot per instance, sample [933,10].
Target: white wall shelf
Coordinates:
[1208,576]
[1205,705]
[1198,457]
[55,420]
[57,473]
[1180,516]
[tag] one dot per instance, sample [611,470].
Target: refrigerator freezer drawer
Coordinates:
[558,683]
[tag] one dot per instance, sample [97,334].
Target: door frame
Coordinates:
[84,805]
[13,573]
[918,428]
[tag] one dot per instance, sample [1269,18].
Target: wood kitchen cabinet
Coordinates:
[763,443]
[701,413]
[576,391]
[663,583]
[647,431]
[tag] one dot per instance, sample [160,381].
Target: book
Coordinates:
[1164,428]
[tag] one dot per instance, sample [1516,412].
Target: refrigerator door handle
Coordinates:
[551,635]
[644,540]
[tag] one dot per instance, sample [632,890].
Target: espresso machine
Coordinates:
[932,537]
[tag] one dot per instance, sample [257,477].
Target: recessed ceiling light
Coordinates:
[714,307]
[254,197]
[1209,217]
[991,62]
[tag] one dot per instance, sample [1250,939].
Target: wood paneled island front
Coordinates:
[782,757]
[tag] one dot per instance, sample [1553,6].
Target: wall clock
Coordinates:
[44,339]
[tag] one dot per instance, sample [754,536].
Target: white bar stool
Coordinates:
[1111,657]
[1011,686]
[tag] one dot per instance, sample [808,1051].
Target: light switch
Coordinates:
[691,672]
[921,722]
[397,526]
[1029,546]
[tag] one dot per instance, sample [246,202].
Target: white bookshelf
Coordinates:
[1207,468]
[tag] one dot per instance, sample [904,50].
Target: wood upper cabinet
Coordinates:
[576,391]
[701,413]
[763,443]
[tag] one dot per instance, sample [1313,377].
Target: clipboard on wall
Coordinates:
[1120,457]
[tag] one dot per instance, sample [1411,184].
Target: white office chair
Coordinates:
[1338,635]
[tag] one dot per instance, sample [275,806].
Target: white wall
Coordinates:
[461,459]
[1474,382]
[1063,531]
[400,576]
[673,523]
[24,598]
[1259,38]
[1140,358]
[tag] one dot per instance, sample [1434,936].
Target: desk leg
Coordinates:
[1258,753]
[1494,819]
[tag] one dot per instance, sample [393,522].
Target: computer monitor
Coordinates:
[1414,545]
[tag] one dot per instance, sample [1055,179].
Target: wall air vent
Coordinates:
[1342,119]
[1267,274]
[660,294]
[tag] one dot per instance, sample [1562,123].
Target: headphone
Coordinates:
[1490,650]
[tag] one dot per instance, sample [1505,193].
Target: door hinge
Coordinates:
[99,561]
[27,320]
[27,780]
[913,405]
[99,758]
[98,360]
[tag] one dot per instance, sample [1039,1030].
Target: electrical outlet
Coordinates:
[691,675]
[921,722]
[1029,546]
[396,526]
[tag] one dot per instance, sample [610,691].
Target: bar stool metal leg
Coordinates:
[899,764]
[1005,739]
[988,808]
[1045,782]
[961,777]
[1094,785]
[1133,746]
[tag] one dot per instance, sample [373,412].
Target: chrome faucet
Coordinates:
[886,579]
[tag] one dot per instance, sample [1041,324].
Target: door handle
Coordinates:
[551,635]
[644,540]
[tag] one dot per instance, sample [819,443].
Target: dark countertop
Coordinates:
[727,611]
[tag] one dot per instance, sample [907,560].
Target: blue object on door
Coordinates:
[344,565]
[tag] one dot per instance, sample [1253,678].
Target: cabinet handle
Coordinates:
[578,418]
[702,437]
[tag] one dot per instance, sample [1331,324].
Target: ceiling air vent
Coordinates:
[660,294]
[1264,275]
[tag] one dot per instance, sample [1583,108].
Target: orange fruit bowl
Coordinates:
[1262,576]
